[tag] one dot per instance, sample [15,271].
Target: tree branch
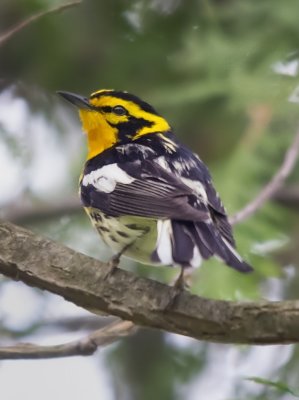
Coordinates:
[30,213]
[62,324]
[271,188]
[80,279]
[82,347]
[7,35]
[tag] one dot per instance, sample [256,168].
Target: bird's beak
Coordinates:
[79,101]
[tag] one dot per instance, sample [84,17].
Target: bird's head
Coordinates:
[111,117]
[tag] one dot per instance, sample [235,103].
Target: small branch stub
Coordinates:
[83,347]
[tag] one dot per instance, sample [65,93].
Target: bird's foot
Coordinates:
[182,283]
[114,262]
[112,266]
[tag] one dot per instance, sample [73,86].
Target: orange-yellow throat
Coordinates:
[100,135]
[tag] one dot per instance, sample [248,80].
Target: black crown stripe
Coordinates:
[127,96]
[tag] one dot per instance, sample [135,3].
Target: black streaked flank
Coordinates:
[96,216]
[123,234]
[103,228]
[133,226]
[126,96]
[113,238]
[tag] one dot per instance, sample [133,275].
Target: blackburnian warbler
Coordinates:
[149,197]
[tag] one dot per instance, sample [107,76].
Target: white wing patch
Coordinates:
[197,187]
[163,163]
[183,165]
[105,179]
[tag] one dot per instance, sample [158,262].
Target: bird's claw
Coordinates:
[111,266]
[181,284]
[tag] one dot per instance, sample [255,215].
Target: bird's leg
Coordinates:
[114,261]
[182,282]
[184,279]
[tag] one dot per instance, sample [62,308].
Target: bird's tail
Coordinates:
[187,243]
[211,242]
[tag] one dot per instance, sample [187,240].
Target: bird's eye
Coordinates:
[119,110]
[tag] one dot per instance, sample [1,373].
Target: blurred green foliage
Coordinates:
[280,386]
[220,71]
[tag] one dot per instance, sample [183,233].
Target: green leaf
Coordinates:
[281,386]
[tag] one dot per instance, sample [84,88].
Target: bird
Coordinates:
[149,196]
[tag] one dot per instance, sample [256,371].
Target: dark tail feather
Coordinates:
[208,238]
[182,243]
[187,243]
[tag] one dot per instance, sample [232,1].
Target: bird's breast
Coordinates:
[119,232]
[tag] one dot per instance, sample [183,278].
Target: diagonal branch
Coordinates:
[11,32]
[288,196]
[82,347]
[80,279]
[271,188]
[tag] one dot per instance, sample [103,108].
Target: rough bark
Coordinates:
[80,279]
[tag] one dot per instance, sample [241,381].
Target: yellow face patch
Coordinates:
[101,122]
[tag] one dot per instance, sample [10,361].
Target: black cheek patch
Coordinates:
[127,130]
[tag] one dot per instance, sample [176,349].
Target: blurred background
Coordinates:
[225,73]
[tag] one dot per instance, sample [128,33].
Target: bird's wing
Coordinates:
[186,228]
[142,189]
[218,214]
[197,171]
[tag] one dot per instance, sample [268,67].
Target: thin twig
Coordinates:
[7,35]
[81,347]
[62,324]
[23,212]
[288,196]
[275,183]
